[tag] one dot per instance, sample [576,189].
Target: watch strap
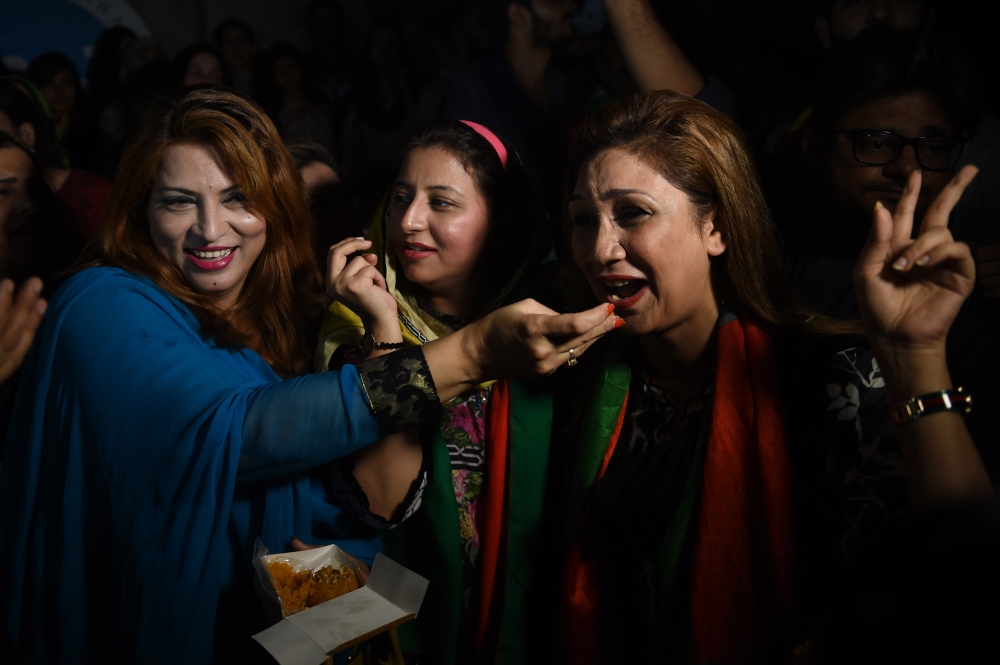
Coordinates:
[368,344]
[924,405]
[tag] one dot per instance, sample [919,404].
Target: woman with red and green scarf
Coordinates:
[731,450]
[460,502]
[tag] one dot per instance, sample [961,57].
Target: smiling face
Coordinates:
[438,224]
[641,246]
[855,187]
[200,221]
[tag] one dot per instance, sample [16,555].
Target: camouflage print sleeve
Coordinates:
[400,390]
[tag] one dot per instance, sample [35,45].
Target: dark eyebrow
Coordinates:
[447,188]
[8,181]
[615,193]
[612,194]
[191,193]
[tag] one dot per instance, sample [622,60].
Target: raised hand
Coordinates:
[361,287]
[910,290]
[19,319]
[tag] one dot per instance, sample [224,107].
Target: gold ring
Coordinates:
[572,358]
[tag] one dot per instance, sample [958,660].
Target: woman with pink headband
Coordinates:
[459,234]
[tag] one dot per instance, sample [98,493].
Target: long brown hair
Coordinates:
[279,307]
[704,154]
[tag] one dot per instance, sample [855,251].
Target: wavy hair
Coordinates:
[278,310]
[703,153]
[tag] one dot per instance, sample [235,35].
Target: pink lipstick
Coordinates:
[416,250]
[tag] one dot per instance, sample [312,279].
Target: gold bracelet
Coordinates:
[924,405]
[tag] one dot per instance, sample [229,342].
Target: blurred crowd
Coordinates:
[357,96]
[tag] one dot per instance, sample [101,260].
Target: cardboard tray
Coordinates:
[392,596]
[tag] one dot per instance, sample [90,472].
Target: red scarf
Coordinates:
[741,589]
[493,517]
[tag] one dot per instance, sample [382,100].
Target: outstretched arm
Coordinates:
[654,59]
[909,292]
[521,340]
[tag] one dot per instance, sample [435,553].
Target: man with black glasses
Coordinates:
[887,104]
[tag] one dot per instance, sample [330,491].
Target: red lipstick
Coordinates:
[623,291]
[211,263]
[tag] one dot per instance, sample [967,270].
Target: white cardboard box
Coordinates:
[392,596]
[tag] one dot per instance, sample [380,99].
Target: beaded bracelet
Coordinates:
[942,400]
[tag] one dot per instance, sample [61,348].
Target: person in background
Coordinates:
[200,64]
[330,55]
[82,194]
[282,91]
[974,218]
[33,241]
[655,61]
[333,216]
[236,41]
[839,21]
[144,72]
[328,47]
[34,248]
[171,402]
[877,92]
[523,95]
[380,115]
[518,91]
[105,65]
[77,128]
[887,104]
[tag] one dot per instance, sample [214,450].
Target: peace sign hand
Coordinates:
[909,291]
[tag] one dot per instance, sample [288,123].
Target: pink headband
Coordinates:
[492,138]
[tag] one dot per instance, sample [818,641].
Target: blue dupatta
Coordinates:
[131,434]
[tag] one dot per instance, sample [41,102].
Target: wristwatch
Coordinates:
[368,344]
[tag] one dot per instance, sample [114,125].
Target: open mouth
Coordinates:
[211,258]
[624,293]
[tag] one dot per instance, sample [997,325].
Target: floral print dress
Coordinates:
[464,430]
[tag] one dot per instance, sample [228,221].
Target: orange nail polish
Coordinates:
[619,322]
[611,309]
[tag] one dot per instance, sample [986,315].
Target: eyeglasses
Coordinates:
[876,148]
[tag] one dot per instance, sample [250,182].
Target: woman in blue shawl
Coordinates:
[164,422]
